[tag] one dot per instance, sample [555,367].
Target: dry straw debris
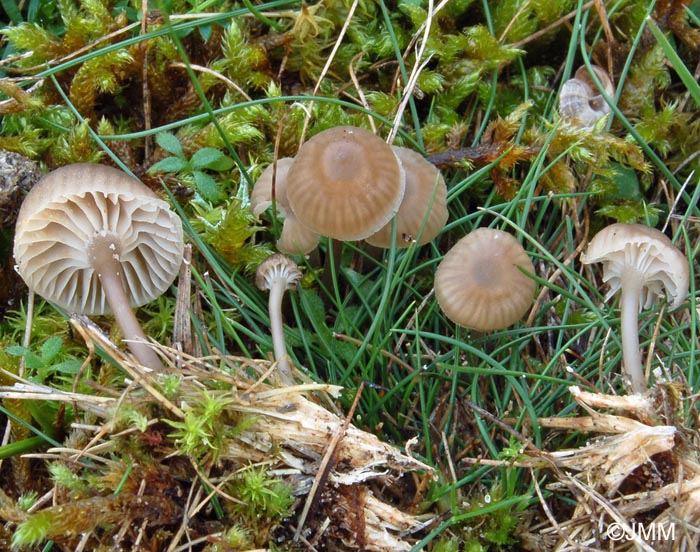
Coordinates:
[636,485]
[343,480]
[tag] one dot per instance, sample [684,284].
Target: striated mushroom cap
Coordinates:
[478,283]
[636,251]
[295,238]
[345,183]
[77,206]
[425,189]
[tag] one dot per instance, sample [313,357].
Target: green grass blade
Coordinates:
[676,62]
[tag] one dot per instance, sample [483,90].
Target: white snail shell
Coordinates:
[580,100]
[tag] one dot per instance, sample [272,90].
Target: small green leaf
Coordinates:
[51,347]
[622,184]
[223,164]
[169,165]
[170,143]
[344,350]
[45,413]
[203,158]
[17,350]
[70,367]
[206,186]
[315,309]
[205,32]
[31,360]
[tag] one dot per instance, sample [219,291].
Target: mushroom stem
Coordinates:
[104,258]
[277,274]
[631,355]
[277,330]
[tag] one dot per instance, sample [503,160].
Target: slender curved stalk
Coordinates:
[277,274]
[631,355]
[105,261]
[277,331]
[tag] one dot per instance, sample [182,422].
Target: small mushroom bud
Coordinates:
[581,101]
[277,274]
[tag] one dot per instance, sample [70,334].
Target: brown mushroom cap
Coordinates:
[646,253]
[295,238]
[425,188]
[261,195]
[79,205]
[478,283]
[345,183]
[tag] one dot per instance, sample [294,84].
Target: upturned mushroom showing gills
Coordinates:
[93,240]
[580,100]
[640,262]
[423,210]
[277,274]
[295,238]
[480,285]
[345,183]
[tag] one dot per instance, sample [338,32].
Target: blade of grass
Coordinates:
[676,62]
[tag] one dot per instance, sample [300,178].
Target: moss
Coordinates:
[226,81]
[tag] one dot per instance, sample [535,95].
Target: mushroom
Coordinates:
[295,238]
[479,284]
[277,274]
[345,183]
[580,100]
[93,240]
[423,210]
[639,261]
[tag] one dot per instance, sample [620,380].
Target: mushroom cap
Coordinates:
[345,183]
[636,250]
[580,99]
[261,195]
[76,205]
[582,74]
[478,283]
[425,188]
[275,268]
[295,239]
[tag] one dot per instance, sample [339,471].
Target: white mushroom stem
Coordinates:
[277,330]
[631,354]
[277,274]
[640,262]
[104,258]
